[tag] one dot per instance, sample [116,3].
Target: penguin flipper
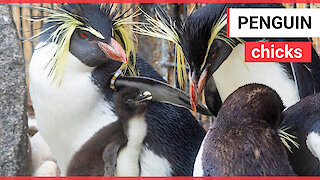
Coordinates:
[161,92]
[109,155]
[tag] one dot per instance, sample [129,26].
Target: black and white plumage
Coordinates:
[244,138]
[303,122]
[120,143]
[82,104]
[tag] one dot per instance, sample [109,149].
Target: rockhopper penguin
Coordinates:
[243,140]
[125,138]
[217,62]
[78,52]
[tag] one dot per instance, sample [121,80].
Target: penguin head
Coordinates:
[200,40]
[94,45]
[205,46]
[253,101]
[130,102]
[93,34]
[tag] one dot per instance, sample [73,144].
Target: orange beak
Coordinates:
[113,50]
[193,93]
[195,89]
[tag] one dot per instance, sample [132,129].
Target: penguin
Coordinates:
[243,141]
[302,120]
[217,62]
[79,50]
[125,139]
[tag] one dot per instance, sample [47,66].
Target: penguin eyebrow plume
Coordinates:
[65,23]
[164,27]
[126,39]
[218,33]
[284,137]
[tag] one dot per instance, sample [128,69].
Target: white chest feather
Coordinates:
[68,115]
[136,159]
[197,168]
[154,165]
[128,157]
[234,73]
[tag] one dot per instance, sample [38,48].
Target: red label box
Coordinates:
[277,51]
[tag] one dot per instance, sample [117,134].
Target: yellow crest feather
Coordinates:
[126,40]
[158,28]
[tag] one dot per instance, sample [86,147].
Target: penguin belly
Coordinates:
[128,159]
[198,168]
[70,114]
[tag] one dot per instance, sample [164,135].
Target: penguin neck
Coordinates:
[71,114]
[234,73]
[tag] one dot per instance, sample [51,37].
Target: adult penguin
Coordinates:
[244,140]
[78,52]
[217,62]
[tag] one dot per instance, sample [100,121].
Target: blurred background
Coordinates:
[158,52]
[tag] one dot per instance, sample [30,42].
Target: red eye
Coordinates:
[214,54]
[83,35]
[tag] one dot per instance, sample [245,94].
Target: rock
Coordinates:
[14,155]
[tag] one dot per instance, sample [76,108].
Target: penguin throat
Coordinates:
[234,73]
